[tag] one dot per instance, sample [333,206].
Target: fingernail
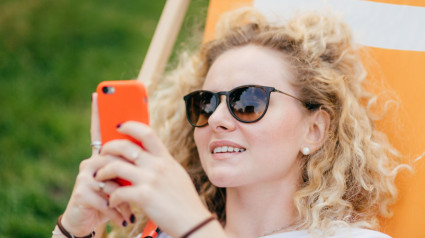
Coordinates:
[124,223]
[107,203]
[99,150]
[119,125]
[94,174]
[132,218]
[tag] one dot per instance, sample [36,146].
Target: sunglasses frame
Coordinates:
[217,95]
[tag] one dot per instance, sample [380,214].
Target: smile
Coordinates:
[227,149]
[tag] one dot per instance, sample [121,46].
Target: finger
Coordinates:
[86,198]
[124,149]
[118,169]
[123,171]
[126,195]
[92,164]
[108,187]
[125,211]
[95,128]
[102,205]
[120,204]
[145,134]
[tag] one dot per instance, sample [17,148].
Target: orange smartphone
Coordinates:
[118,102]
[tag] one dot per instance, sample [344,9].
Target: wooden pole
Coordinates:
[162,42]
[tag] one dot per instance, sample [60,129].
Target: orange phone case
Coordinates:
[151,230]
[118,102]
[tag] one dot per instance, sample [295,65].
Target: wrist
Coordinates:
[207,228]
[56,233]
[63,226]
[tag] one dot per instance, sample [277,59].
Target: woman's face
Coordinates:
[268,149]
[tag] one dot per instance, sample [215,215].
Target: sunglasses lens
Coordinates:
[248,104]
[200,105]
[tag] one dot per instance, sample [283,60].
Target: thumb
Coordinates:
[96,140]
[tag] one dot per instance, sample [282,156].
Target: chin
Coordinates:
[223,178]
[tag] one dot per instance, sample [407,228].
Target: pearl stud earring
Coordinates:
[305,151]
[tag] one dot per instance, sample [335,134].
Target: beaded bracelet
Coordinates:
[197,227]
[69,235]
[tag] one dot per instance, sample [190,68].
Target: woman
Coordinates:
[278,144]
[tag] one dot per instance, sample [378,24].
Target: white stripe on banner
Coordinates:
[374,24]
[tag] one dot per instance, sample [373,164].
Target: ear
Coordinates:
[317,132]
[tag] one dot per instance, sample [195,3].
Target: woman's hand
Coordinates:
[87,207]
[160,185]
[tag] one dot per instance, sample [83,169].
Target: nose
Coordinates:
[222,119]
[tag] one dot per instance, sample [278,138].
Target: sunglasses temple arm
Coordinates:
[306,104]
[290,96]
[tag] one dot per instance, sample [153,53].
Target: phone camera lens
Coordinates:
[108,90]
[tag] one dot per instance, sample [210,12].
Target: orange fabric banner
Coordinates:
[399,62]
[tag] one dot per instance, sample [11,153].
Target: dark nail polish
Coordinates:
[132,218]
[99,150]
[107,203]
[94,174]
[124,223]
[119,125]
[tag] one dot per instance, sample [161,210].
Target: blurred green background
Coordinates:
[53,53]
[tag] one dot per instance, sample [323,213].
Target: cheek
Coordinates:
[282,136]
[197,135]
[201,140]
[287,132]
[279,150]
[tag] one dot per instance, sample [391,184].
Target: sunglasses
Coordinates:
[246,103]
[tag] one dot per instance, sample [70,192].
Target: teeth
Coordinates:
[224,149]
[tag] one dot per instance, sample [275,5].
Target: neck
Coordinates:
[256,210]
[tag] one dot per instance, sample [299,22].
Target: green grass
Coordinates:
[52,56]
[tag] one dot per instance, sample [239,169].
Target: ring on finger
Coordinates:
[135,156]
[101,186]
[96,144]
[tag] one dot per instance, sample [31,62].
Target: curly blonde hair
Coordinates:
[349,181]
